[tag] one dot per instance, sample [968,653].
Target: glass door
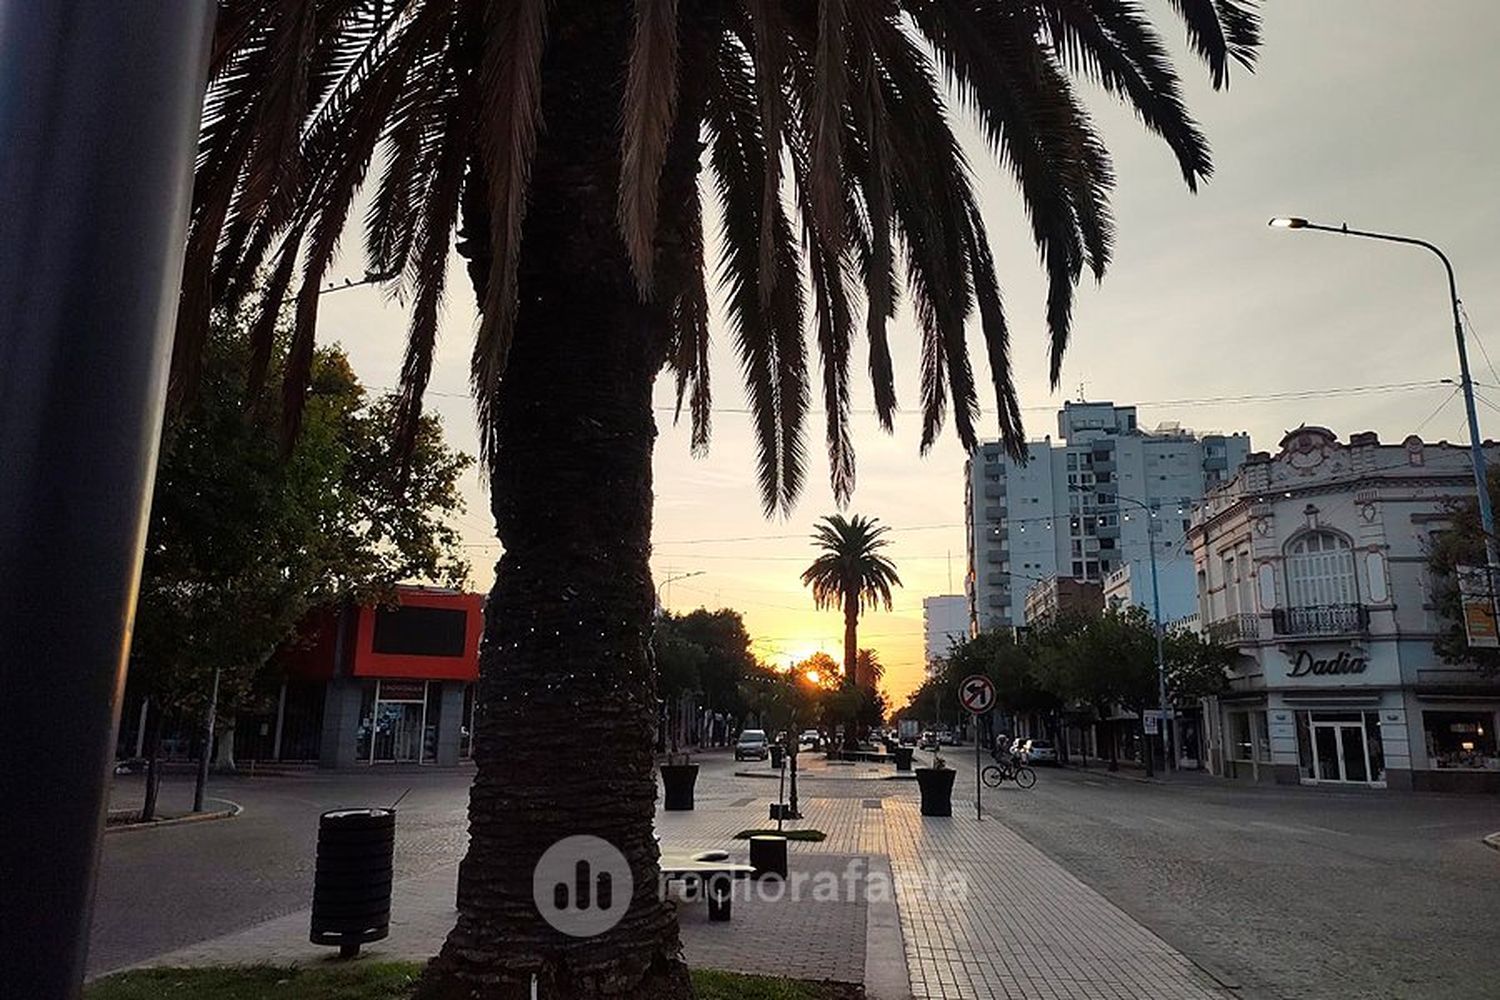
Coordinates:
[1340,753]
[1352,746]
[398,723]
[1327,753]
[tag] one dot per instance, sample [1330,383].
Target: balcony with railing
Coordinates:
[1235,629]
[1323,619]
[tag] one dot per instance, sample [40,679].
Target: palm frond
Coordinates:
[650,102]
[767,326]
[1219,30]
[509,117]
[830,80]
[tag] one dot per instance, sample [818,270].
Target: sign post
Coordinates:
[976,693]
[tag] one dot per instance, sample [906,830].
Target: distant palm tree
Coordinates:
[869,668]
[851,575]
[557,146]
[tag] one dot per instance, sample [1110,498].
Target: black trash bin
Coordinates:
[352,883]
[778,754]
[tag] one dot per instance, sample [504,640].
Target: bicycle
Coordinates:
[994,775]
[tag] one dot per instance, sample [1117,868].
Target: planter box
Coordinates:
[937,790]
[903,758]
[677,781]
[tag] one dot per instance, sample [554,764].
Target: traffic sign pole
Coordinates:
[976,693]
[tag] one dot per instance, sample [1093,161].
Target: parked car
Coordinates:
[928,741]
[945,738]
[1039,752]
[752,745]
[810,738]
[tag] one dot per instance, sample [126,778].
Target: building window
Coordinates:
[1460,739]
[1320,571]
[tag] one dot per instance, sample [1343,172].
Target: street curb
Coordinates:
[234,810]
[1493,841]
[1139,779]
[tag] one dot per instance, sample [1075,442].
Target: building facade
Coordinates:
[1313,563]
[945,623]
[1130,585]
[1059,595]
[1075,509]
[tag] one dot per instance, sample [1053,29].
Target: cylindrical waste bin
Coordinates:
[352,883]
[778,754]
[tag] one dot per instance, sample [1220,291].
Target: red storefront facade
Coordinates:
[370,685]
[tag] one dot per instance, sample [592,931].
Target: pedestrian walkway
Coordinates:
[926,908]
[986,915]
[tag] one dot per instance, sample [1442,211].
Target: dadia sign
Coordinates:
[1305,665]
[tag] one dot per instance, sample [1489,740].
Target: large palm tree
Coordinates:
[563,148]
[851,575]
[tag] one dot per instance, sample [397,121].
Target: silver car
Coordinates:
[1039,752]
[752,745]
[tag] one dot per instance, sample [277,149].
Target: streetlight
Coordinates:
[1476,449]
[674,579]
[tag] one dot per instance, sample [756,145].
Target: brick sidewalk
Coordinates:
[986,915]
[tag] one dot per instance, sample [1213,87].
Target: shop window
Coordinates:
[430,721]
[1241,742]
[366,721]
[466,734]
[1461,739]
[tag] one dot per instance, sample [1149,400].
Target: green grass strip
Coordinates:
[374,981]
[814,836]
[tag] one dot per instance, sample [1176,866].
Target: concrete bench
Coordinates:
[709,871]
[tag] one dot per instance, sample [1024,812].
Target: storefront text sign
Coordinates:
[1305,665]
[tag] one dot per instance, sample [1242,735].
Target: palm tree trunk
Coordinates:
[566,691]
[851,664]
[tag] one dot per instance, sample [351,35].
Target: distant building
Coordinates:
[1068,511]
[945,620]
[1057,596]
[1130,585]
[1313,562]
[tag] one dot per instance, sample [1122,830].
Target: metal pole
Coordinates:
[1161,659]
[99,109]
[978,806]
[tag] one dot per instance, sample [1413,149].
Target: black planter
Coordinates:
[937,790]
[677,781]
[352,880]
[777,753]
[903,758]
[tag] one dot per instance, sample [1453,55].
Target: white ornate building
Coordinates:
[1314,563]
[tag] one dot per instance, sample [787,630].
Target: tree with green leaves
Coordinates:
[1460,544]
[703,653]
[244,540]
[557,146]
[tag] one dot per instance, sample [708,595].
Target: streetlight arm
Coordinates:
[1344,230]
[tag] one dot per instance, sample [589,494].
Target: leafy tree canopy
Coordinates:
[245,540]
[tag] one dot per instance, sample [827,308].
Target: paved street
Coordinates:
[1288,892]
[1087,886]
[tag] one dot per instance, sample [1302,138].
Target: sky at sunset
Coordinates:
[1376,112]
